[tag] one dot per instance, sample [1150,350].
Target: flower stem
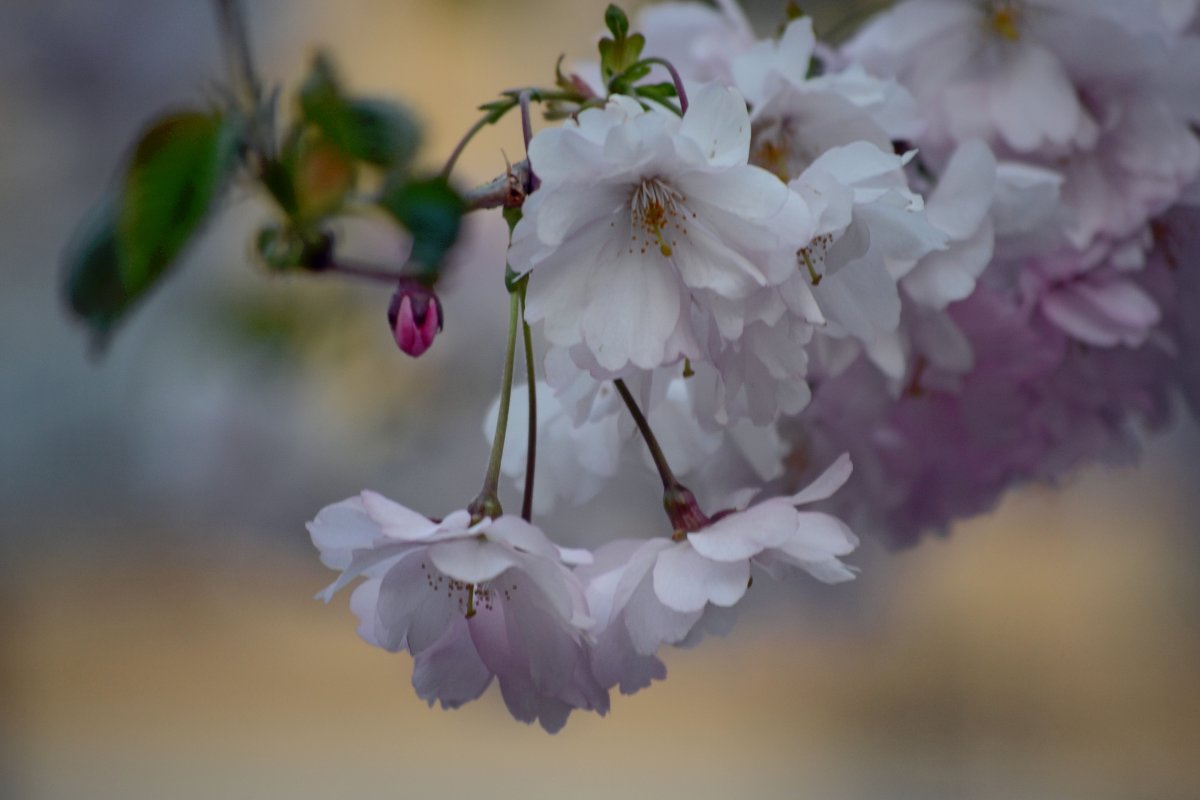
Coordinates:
[678,501]
[531,445]
[480,124]
[487,503]
[660,460]
[510,99]
[679,90]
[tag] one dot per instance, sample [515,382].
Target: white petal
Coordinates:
[341,528]
[471,560]
[717,121]
[829,481]
[964,190]
[633,307]
[396,520]
[685,581]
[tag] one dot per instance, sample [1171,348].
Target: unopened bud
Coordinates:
[415,317]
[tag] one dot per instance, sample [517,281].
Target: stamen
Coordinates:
[1005,19]
[653,208]
[815,254]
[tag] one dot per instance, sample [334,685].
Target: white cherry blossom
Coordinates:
[645,222]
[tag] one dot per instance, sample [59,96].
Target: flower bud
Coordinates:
[415,317]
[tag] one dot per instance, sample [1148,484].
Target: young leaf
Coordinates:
[617,21]
[377,132]
[179,167]
[92,281]
[431,211]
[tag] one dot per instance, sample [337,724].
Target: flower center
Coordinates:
[470,596]
[1004,19]
[654,208]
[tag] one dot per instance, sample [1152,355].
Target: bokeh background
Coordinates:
[157,633]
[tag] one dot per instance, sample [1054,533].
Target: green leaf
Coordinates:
[431,211]
[92,281]
[377,132]
[617,21]
[179,167]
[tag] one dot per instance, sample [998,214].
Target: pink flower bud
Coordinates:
[415,316]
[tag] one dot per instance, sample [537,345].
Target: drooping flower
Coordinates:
[645,224]
[650,593]
[470,601]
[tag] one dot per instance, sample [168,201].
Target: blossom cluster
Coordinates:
[955,250]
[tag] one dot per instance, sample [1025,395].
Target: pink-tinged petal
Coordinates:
[862,298]
[341,528]
[1080,318]
[633,307]
[364,603]
[471,560]
[651,624]
[717,121]
[558,589]
[414,609]
[1123,302]
[686,581]
[907,27]
[1033,100]
[374,561]
[397,521]
[615,662]
[450,671]
[947,276]
[552,652]
[828,482]
[964,191]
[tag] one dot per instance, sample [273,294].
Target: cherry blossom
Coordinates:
[646,594]
[644,221]
[470,600]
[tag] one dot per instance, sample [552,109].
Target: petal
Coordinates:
[964,190]
[717,120]
[341,528]
[632,307]
[472,560]
[827,483]
[450,671]
[397,521]
[651,624]
[685,581]
[521,535]
[413,609]
[741,535]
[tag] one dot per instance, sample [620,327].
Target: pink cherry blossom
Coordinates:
[470,601]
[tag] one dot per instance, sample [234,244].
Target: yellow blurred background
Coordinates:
[159,639]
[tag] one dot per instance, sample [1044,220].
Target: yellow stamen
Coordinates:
[1006,20]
